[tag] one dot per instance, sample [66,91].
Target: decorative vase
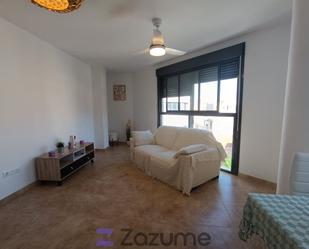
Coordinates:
[73,141]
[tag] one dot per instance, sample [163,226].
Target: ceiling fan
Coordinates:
[157,46]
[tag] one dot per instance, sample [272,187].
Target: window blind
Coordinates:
[172,86]
[187,81]
[208,74]
[162,89]
[230,69]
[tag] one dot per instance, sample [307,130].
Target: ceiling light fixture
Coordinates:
[157,50]
[60,6]
[157,46]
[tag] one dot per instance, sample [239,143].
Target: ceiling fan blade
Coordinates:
[145,51]
[174,51]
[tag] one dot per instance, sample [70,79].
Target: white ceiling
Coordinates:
[111,32]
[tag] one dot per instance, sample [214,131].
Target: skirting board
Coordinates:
[18,193]
[259,179]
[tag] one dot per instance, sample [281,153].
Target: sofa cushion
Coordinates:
[157,153]
[150,149]
[188,137]
[142,137]
[164,158]
[166,135]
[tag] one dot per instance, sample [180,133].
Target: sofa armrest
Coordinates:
[211,154]
[191,149]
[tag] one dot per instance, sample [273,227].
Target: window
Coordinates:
[188,84]
[228,95]
[229,74]
[205,93]
[209,88]
[172,93]
[222,128]
[175,120]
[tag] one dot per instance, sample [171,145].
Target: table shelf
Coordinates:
[62,165]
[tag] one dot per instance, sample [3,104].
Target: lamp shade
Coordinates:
[60,6]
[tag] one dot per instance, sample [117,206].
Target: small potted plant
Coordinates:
[128,130]
[60,147]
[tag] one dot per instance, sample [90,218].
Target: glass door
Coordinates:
[223,129]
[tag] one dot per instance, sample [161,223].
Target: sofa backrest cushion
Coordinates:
[189,136]
[142,137]
[166,135]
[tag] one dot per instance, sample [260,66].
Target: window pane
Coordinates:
[185,103]
[175,120]
[172,93]
[195,97]
[163,93]
[209,88]
[188,91]
[172,103]
[163,104]
[228,95]
[208,98]
[222,128]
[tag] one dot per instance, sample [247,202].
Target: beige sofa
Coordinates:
[181,157]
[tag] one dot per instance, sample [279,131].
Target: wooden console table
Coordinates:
[62,165]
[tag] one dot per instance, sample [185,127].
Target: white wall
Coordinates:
[263,98]
[145,99]
[295,135]
[263,101]
[119,112]
[45,95]
[100,109]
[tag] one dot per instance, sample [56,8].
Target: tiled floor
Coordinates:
[114,194]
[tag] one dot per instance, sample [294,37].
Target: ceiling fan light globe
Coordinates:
[156,50]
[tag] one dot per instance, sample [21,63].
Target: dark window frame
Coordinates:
[216,58]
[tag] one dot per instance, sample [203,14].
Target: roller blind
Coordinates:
[162,89]
[172,86]
[230,69]
[208,74]
[187,82]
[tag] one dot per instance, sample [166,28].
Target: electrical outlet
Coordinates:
[10,172]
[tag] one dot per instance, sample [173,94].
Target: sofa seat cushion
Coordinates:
[158,153]
[142,156]
[148,155]
[164,158]
[150,149]
[166,135]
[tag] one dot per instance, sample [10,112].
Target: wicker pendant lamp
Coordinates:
[60,6]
